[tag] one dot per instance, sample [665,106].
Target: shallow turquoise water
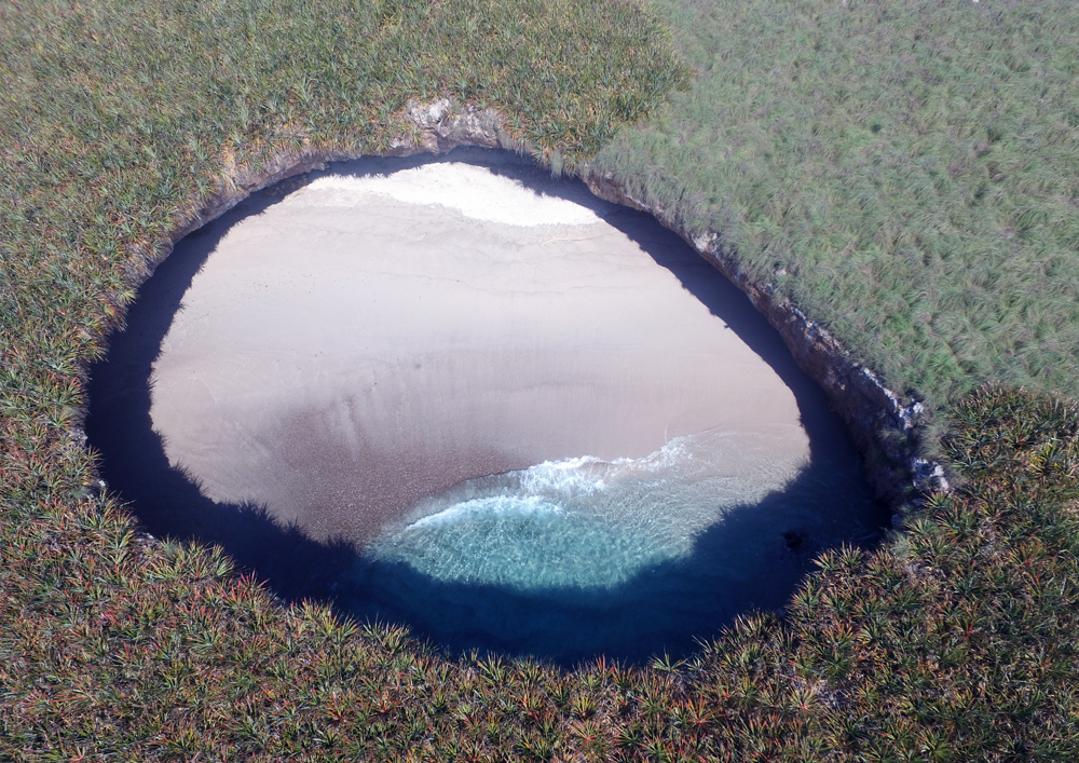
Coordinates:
[631,557]
[583,522]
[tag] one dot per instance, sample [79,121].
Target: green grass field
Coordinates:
[912,167]
[907,172]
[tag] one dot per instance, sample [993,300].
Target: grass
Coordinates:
[908,173]
[955,640]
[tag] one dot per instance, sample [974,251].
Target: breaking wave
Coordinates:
[586,522]
[630,556]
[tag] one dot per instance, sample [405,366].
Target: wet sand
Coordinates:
[366,342]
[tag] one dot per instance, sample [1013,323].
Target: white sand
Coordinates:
[473,191]
[366,342]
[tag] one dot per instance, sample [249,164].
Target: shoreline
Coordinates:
[369,341]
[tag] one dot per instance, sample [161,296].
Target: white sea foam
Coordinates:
[491,505]
[570,475]
[542,487]
[585,475]
[586,483]
[473,191]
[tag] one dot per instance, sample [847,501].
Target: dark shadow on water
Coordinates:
[562,625]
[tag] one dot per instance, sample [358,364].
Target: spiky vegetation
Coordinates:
[955,640]
[958,641]
[907,172]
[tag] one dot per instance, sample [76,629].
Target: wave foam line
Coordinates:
[498,504]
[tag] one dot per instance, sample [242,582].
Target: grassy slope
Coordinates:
[957,640]
[913,167]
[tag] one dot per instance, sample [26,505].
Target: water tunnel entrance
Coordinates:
[460,394]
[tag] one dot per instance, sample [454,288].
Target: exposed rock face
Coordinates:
[442,126]
[883,423]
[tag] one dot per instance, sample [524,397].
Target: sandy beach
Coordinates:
[368,341]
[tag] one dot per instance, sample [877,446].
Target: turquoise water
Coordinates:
[631,557]
[583,522]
